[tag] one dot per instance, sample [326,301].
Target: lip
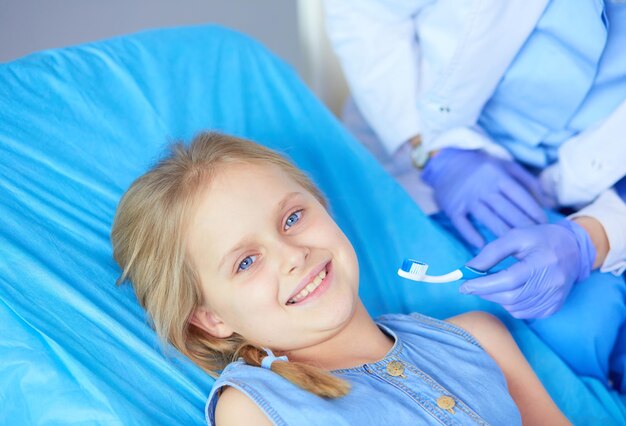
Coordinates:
[310,277]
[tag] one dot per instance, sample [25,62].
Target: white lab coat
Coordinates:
[428,67]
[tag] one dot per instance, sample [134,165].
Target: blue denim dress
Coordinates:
[435,374]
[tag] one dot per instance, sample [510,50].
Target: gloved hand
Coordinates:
[498,193]
[551,258]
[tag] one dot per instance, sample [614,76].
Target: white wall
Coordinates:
[321,69]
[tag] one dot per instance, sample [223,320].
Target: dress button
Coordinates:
[446,402]
[396,369]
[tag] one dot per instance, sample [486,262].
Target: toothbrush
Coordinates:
[416,271]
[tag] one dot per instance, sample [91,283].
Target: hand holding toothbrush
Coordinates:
[551,258]
[498,193]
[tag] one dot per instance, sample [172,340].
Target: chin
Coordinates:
[342,313]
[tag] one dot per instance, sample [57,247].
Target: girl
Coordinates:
[234,255]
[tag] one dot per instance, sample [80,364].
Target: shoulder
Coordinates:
[486,328]
[240,396]
[419,327]
[478,323]
[235,408]
[534,403]
[492,335]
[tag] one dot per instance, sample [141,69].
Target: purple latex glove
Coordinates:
[498,193]
[552,258]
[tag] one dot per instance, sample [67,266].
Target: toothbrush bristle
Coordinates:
[414,267]
[417,269]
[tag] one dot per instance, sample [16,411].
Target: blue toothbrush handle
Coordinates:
[470,273]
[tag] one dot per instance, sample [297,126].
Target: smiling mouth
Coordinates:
[309,288]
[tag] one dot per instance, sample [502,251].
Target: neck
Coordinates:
[360,341]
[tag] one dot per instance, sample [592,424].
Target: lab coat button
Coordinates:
[446,402]
[596,164]
[444,109]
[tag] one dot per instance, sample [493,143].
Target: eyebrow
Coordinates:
[245,241]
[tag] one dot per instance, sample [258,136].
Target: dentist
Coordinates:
[504,108]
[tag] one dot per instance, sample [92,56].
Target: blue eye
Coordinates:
[246,263]
[293,219]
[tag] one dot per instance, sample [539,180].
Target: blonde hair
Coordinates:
[149,239]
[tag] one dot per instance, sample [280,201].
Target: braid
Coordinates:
[313,379]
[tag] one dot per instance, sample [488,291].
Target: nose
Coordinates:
[293,257]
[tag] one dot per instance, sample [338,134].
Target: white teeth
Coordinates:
[309,287]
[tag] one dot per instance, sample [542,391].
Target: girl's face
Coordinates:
[274,266]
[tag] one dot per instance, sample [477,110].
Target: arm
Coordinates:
[598,236]
[404,87]
[376,44]
[604,222]
[590,162]
[533,401]
[382,61]
[234,408]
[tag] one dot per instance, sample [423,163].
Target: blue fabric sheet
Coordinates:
[78,125]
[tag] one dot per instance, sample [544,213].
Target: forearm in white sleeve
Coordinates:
[468,137]
[377,47]
[610,210]
[590,162]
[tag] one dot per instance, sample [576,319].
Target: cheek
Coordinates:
[328,231]
[249,303]
[260,323]
[349,259]
[331,237]
[345,247]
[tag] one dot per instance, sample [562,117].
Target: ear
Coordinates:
[211,323]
